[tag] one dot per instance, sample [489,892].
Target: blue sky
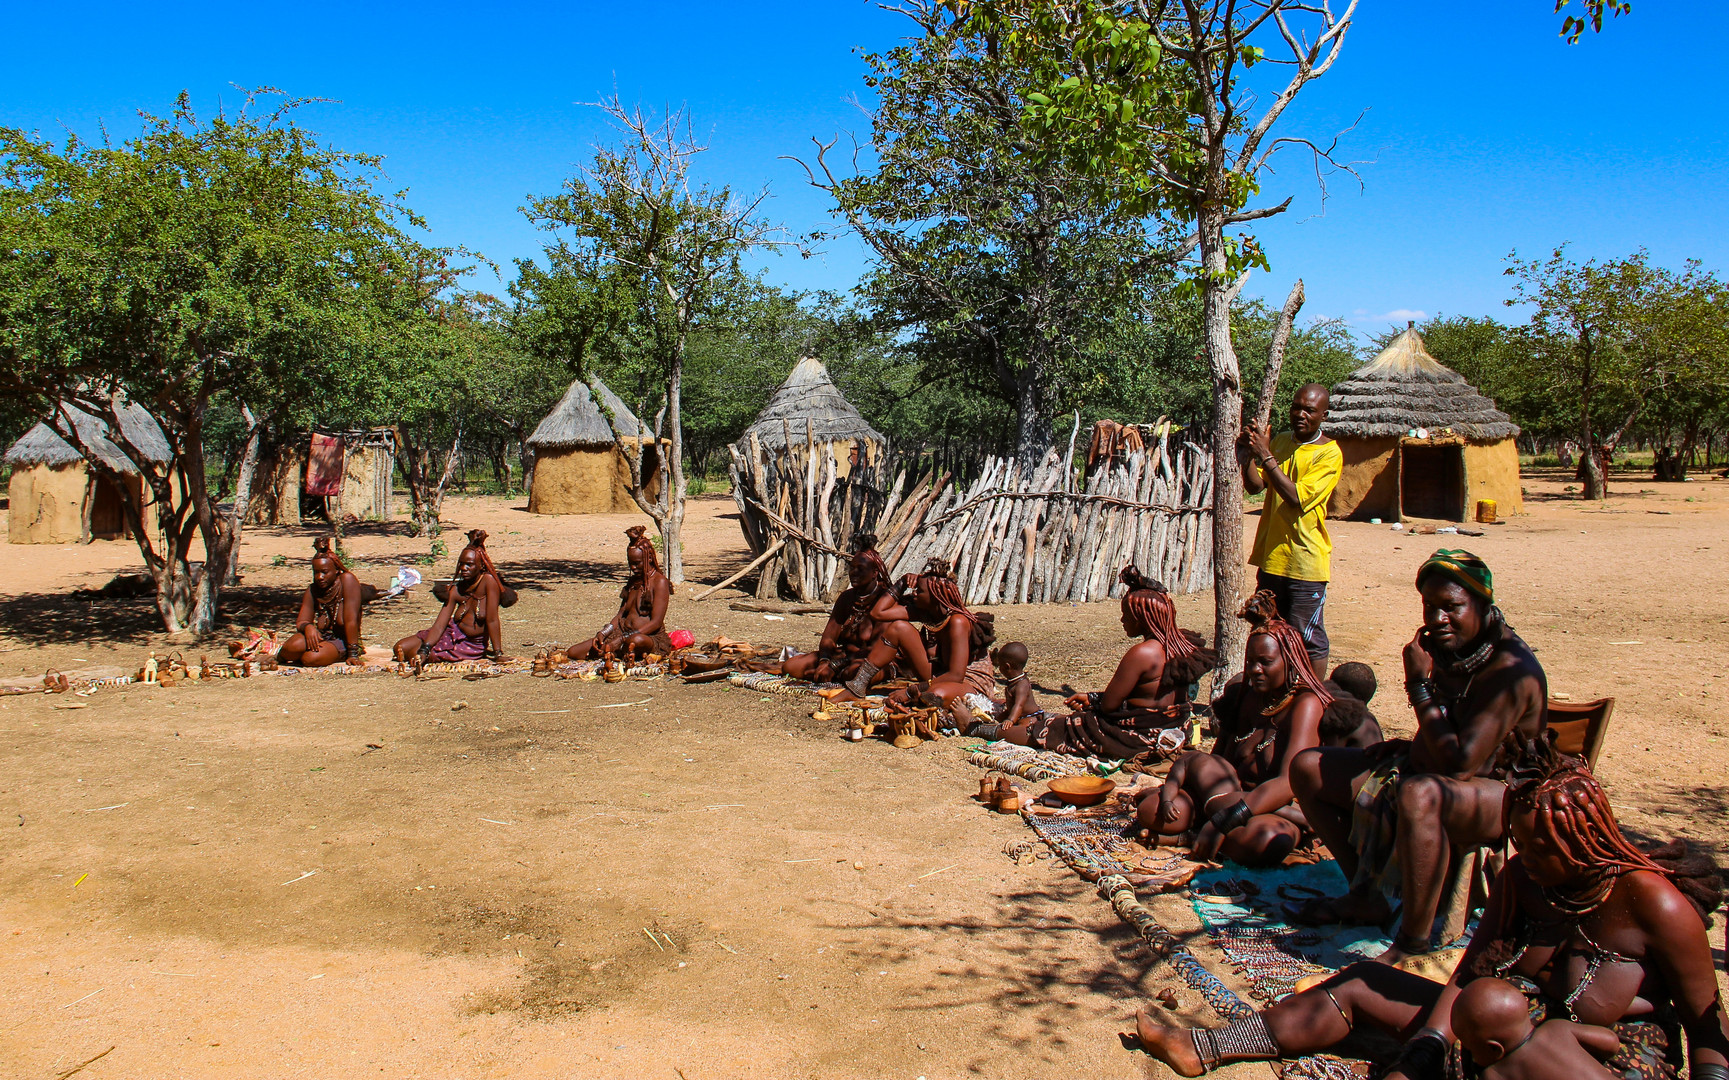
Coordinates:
[1484,132]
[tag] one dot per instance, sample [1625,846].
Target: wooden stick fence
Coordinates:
[800,512]
[1018,536]
[1013,535]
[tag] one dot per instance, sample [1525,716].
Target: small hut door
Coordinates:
[1432,481]
[107,514]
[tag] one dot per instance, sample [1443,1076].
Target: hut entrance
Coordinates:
[1432,482]
[107,514]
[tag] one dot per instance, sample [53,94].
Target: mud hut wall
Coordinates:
[587,480]
[1492,472]
[51,504]
[622,503]
[366,477]
[47,503]
[576,480]
[1369,483]
[276,488]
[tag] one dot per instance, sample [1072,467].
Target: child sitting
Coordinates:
[1018,704]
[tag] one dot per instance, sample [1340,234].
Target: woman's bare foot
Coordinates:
[1403,950]
[1173,1046]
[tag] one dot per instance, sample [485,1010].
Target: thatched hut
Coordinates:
[578,465]
[809,408]
[1419,441]
[812,459]
[55,496]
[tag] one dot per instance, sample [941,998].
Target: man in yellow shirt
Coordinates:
[1293,551]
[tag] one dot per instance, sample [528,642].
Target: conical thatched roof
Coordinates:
[1405,388]
[810,395]
[42,445]
[577,421]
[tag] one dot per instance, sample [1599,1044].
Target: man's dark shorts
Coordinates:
[1303,605]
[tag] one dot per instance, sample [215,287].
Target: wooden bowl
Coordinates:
[1082,790]
[699,663]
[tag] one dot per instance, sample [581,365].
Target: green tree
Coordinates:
[1573,27]
[635,227]
[1002,264]
[1152,98]
[203,259]
[1602,338]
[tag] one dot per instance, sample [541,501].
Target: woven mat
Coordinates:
[869,711]
[379,661]
[1030,764]
[1092,843]
[1240,909]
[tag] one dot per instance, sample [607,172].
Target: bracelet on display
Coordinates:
[425,649]
[1705,1070]
[1096,701]
[1234,816]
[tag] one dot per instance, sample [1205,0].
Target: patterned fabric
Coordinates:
[1124,734]
[1031,764]
[1375,825]
[455,644]
[1462,567]
[980,677]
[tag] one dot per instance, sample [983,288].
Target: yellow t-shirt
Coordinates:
[1293,541]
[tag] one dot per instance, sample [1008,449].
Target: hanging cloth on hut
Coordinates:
[324,463]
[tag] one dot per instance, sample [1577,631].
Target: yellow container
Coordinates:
[1486,511]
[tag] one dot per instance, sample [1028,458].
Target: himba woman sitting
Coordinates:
[1148,694]
[328,626]
[467,625]
[639,627]
[954,662]
[1588,950]
[851,631]
[1238,797]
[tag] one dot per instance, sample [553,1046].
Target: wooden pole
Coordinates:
[754,563]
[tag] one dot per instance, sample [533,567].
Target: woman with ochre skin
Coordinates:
[955,662]
[1237,799]
[1148,694]
[469,618]
[639,626]
[1582,925]
[328,626]
[851,631]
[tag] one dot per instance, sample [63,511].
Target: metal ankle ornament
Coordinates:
[1246,1038]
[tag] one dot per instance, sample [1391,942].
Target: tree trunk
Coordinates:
[1229,633]
[436,506]
[1032,427]
[672,526]
[243,493]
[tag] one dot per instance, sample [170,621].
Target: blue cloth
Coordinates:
[1253,934]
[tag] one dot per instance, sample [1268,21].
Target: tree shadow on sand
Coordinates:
[1032,955]
[1694,814]
[59,618]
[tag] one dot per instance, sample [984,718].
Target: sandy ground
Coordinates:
[697,883]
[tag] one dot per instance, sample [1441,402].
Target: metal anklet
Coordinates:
[1245,1039]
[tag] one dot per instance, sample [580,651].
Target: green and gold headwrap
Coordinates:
[1459,565]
